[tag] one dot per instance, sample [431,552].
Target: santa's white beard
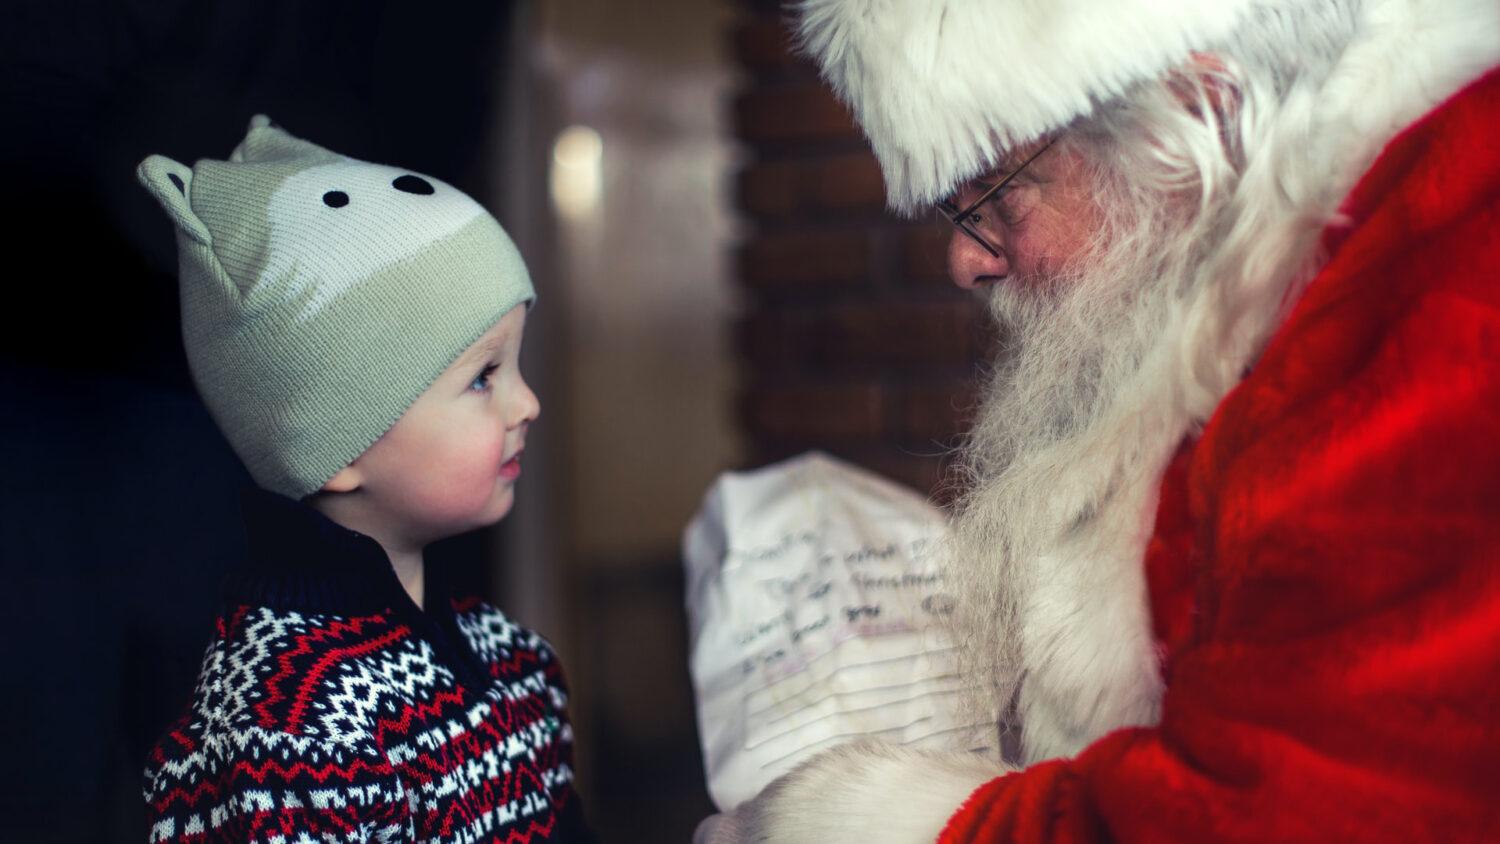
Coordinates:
[1077,421]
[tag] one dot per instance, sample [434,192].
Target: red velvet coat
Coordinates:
[1325,573]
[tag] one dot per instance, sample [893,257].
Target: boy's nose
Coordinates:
[528,407]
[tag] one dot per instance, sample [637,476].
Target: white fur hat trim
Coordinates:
[943,87]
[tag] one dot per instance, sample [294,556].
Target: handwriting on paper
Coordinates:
[816,601]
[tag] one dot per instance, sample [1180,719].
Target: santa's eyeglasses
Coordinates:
[971,221]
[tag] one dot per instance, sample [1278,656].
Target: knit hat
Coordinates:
[943,87]
[321,295]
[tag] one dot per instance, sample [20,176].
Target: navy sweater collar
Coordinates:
[299,559]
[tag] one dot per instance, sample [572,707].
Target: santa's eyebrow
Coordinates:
[1014,165]
[1006,166]
[988,177]
[1006,163]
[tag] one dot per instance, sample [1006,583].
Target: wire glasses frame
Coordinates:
[966,218]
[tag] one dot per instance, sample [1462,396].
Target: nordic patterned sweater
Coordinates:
[331,708]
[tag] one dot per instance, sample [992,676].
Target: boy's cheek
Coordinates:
[465,476]
[451,504]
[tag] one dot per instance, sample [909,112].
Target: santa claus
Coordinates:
[1230,549]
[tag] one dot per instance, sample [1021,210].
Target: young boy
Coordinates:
[354,331]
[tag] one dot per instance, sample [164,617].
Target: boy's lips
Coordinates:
[511,469]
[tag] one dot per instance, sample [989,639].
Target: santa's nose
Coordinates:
[971,265]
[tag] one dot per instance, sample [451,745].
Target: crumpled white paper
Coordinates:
[814,597]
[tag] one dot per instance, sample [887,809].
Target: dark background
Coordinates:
[119,499]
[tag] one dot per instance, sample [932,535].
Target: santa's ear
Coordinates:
[1204,83]
[171,183]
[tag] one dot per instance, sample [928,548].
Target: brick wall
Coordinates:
[852,340]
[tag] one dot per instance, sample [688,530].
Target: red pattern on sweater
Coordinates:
[309,727]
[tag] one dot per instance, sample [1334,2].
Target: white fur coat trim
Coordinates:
[869,793]
[941,87]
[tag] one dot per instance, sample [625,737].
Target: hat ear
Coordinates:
[170,182]
[267,141]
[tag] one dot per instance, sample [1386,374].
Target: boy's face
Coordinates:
[450,463]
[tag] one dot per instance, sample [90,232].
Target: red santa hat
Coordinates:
[942,87]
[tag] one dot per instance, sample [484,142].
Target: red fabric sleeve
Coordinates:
[1342,680]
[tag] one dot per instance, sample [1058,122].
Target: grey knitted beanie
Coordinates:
[321,295]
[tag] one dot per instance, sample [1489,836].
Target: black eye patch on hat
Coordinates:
[405,184]
[412,184]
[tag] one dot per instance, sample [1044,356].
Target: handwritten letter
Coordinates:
[814,600]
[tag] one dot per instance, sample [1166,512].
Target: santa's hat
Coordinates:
[942,87]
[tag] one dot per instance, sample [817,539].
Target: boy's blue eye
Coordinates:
[481,381]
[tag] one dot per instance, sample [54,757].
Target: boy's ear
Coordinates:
[346,480]
[171,183]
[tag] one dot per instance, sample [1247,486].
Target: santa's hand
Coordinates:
[727,828]
[865,792]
